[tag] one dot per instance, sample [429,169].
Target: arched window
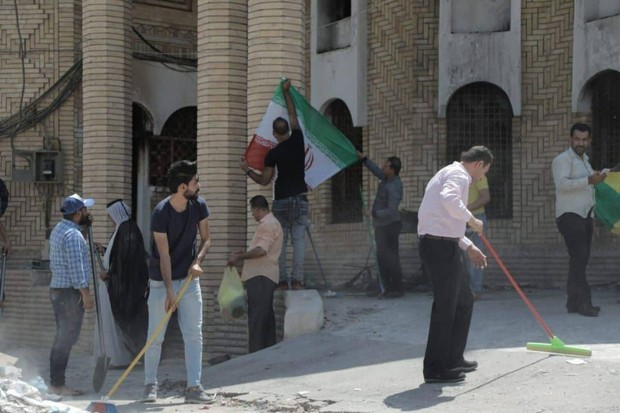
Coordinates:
[604,89]
[480,114]
[176,142]
[346,198]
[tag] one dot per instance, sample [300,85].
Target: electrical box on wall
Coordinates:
[38,166]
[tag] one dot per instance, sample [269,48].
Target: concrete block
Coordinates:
[303,313]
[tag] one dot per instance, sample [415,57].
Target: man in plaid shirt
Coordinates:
[69,291]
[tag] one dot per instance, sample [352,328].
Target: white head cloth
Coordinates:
[119,212]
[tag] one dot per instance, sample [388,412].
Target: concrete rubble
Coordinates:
[19,396]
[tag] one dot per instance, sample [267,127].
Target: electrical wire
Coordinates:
[22,57]
[35,112]
[163,58]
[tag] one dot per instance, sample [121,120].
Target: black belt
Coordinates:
[300,196]
[429,236]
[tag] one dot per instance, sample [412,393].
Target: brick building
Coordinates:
[151,81]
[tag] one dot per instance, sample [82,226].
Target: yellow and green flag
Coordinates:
[608,201]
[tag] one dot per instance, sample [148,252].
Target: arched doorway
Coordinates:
[480,114]
[346,202]
[176,141]
[142,130]
[605,108]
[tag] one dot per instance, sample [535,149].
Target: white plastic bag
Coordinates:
[231,295]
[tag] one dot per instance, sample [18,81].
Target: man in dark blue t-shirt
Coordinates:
[175,222]
[290,205]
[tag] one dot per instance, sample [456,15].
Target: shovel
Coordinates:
[103,361]
[2,277]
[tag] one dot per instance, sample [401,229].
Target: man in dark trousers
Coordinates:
[574,181]
[260,274]
[443,216]
[387,222]
[290,205]
[71,272]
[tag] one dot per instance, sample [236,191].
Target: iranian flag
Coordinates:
[328,151]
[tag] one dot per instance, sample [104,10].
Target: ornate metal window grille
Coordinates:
[177,142]
[480,114]
[346,198]
[605,119]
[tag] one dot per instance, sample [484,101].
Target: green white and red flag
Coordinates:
[328,151]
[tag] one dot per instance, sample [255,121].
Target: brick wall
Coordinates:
[51,37]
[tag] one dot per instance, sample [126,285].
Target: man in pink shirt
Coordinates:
[260,274]
[443,216]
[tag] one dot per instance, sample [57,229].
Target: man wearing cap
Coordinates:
[69,291]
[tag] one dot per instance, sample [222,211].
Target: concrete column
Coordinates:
[222,129]
[106,31]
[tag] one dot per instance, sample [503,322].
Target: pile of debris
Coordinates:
[18,396]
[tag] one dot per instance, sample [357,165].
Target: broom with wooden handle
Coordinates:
[104,405]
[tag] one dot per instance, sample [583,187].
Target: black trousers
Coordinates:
[388,256]
[261,317]
[69,312]
[452,305]
[577,232]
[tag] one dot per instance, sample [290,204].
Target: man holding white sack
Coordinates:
[261,274]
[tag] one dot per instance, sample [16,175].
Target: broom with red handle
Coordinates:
[556,345]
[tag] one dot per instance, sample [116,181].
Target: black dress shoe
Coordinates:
[449,376]
[588,311]
[576,309]
[466,366]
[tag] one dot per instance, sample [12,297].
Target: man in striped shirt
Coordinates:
[443,216]
[69,291]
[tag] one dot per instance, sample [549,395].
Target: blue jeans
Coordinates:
[69,312]
[476,274]
[190,323]
[292,213]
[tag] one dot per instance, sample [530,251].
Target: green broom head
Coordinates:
[557,346]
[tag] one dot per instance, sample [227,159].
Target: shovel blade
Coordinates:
[101,370]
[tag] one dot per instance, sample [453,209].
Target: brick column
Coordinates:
[106,31]
[222,130]
[276,48]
